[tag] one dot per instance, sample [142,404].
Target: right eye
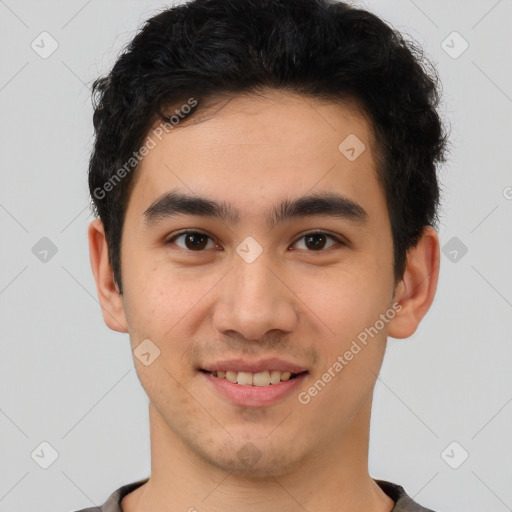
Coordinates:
[193,241]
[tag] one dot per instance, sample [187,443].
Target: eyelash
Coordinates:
[328,235]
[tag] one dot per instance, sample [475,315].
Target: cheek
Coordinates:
[157,307]
[349,304]
[346,301]
[162,301]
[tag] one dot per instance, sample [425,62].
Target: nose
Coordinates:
[254,299]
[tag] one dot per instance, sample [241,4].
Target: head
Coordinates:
[238,111]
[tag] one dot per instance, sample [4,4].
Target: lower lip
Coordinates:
[254,396]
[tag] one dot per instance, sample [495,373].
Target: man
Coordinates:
[264,173]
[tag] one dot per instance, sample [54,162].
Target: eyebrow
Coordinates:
[331,204]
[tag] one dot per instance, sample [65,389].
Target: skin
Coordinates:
[302,305]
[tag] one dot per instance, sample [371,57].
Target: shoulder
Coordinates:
[113,502]
[403,502]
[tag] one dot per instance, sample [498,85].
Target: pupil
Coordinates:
[197,241]
[310,241]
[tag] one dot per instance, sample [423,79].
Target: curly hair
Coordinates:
[324,49]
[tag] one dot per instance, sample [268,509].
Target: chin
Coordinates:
[258,459]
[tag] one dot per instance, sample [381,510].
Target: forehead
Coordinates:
[249,149]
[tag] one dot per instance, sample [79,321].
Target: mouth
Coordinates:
[253,383]
[260,379]
[246,389]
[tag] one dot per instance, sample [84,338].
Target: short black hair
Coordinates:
[323,49]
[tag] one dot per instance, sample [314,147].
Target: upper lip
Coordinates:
[245,365]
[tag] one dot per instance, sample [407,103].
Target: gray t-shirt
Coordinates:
[403,503]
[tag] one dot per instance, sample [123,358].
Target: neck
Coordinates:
[335,479]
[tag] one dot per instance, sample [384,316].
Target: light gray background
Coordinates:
[67,380]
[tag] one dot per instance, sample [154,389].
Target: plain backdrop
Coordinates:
[442,412]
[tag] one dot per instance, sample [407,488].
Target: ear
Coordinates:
[416,290]
[111,300]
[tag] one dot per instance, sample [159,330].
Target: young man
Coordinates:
[264,173]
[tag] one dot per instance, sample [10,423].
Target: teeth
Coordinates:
[261,379]
[232,377]
[275,377]
[264,378]
[244,378]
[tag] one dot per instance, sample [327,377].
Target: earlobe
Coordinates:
[111,300]
[417,289]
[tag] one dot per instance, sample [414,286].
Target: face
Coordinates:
[251,285]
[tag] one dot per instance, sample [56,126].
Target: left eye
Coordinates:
[317,241]
[197,241]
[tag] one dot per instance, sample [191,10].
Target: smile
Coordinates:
[246,389]
[264,378]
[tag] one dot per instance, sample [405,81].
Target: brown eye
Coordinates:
[315,241]
[318,241]
[192,241]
